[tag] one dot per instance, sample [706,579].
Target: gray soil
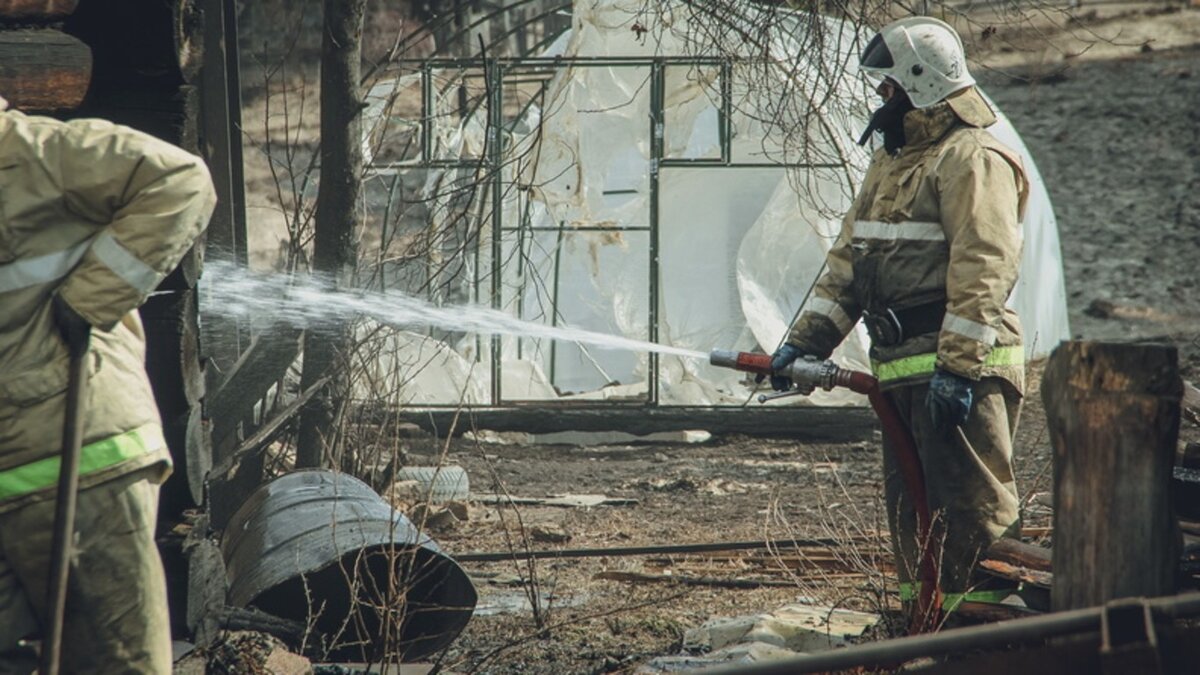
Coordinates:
[1118,144]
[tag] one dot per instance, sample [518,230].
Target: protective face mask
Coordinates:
[889,118]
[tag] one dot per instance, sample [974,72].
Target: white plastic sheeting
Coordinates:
[738,248]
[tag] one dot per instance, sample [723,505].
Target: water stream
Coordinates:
[236,292]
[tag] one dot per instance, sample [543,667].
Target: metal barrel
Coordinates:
[325,549]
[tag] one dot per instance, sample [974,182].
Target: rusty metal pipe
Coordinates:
[890,654]
[827,375]
[616,551]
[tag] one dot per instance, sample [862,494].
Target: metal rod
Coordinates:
[725,113]
[426,114]
[665,164]
[657,77]
[554,301]
[585,229]
[588,61]
[64,506]
[891,653]
[498,556]
[495,77]
[697,163]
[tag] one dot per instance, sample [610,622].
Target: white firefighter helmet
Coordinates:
[923,55]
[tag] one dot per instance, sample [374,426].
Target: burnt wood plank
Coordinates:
[43,70]
[36,11]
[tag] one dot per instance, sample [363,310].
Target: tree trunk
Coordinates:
[338,202]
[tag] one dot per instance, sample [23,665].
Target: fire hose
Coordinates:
[808,374]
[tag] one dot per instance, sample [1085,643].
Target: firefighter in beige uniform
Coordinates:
[92,216]
[927,257]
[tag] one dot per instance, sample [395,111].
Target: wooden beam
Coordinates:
[36,11]
[1113,415]
[263,364]
[800,423]
[239,473]
[43,70]
[171,322]
[1019,553]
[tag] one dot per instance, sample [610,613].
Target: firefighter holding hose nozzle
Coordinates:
[927,258]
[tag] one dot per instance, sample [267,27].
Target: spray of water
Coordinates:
[235,292]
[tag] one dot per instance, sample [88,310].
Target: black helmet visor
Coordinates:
[877,54]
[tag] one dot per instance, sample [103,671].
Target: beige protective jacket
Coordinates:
[938,222]
[100,213]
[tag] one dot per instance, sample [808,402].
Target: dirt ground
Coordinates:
[1115,131]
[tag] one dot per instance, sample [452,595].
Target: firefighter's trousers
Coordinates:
[116,612]
[969,482]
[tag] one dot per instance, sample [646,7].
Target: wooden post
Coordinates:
[1113,415]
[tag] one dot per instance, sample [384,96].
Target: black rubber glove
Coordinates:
[949,400]
[74,330]
[780,360]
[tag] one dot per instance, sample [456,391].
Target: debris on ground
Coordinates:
[244,652]
[549,534]
[801,628]
[753,652]
[564,500]
[718,487]
[434,517]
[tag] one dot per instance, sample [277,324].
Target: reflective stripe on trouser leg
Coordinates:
[34,476]
[924,364]
[969,483]
[950,601]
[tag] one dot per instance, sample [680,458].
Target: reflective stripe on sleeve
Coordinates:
[43,473]
[905,229]
[970,329]
[924,364]
[124,264]
[951,601]
[42,269]
[832,311]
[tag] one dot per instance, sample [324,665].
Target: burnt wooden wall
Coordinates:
[152,64]
[163,67]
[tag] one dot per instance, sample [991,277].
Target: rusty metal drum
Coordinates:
[324,548]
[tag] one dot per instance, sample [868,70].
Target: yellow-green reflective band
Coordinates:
[43,473]
[923,364]
[951,601]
